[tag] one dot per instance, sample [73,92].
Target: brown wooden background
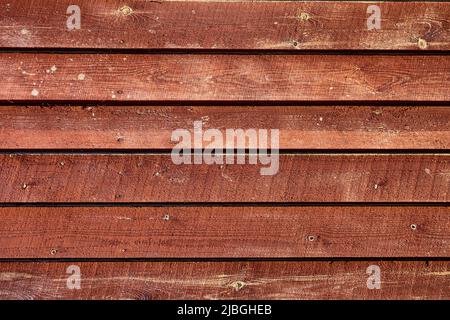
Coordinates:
[86,118]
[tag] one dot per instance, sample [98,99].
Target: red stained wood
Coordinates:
[169,81]
[226,280]
[224,232]
[172,77]
[155,178]
[225,25]
[301,127]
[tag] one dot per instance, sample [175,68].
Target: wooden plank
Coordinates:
[261,25]
[151,127]
[155,178]
[226,280]
[224,232]
[204,77]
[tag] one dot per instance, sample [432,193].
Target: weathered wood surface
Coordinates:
[224,232]
[205,77]
[225,25]
[226,280]
[151,127]
[155,178]
[136,99]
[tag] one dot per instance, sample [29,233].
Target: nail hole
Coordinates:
[238,285]
[304,16]
[126,10]
[166,217]
[413,227]
[311,238]
[422,43]
[53,252]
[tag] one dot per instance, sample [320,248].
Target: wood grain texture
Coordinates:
[155,178]
[237,89]
[226,280]
[224,232]
[224,25]
[204,77]
[151,127]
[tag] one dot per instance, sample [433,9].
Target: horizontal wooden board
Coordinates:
[225,280]
[151,127]
[225,25]
[204,77]
[224,232]
[155,178]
